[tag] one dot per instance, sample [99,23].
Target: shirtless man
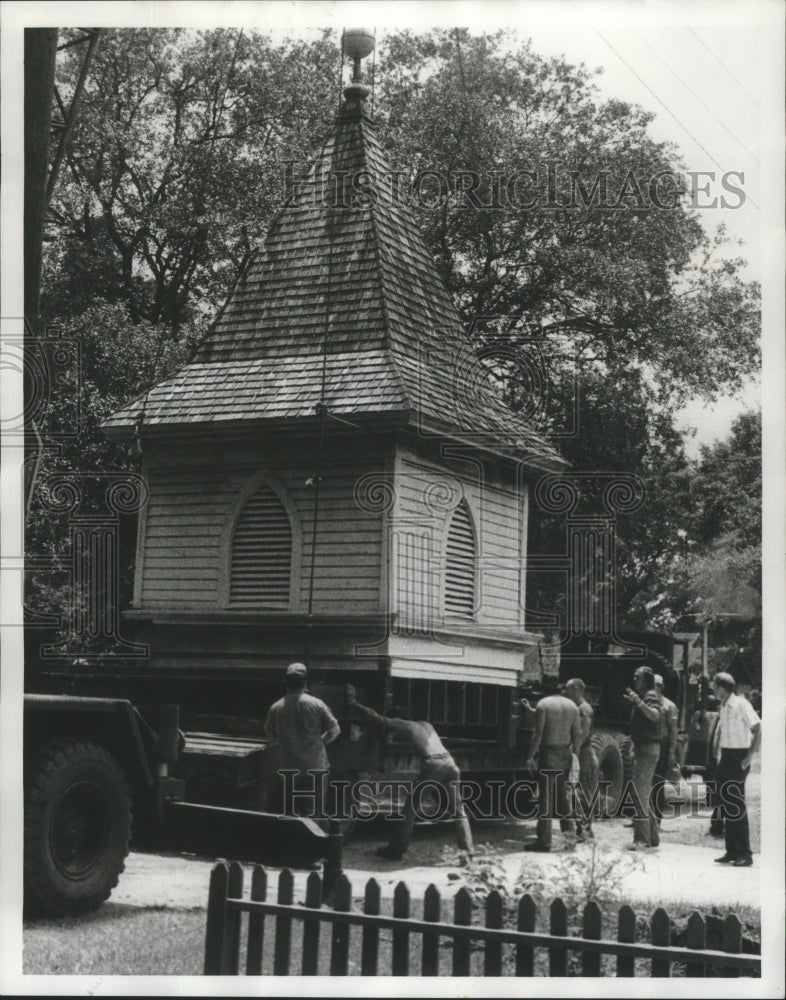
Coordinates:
[588,760]
[557,735]
[436,765]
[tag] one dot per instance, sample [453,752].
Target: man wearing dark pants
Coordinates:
[645,735]
[557,735]
[437,765]
[738,737]
[667,759]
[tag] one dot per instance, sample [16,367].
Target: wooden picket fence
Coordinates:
[227,905]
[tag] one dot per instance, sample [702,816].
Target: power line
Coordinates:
[723,64]
[665,106]
[662,104]
[696,96]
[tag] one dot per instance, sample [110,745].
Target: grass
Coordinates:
[129,941]
[117,940]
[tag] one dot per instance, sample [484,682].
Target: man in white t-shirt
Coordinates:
[737,739]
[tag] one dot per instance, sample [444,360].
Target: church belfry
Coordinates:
[332,477]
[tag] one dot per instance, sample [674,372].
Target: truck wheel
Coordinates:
[77,827]
[610,770]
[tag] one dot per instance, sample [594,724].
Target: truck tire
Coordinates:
[611,770]
[77,827]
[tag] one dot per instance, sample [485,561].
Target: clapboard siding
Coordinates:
[182,537]
[418,570]
[189,511]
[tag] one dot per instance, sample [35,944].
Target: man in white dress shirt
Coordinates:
[737,739]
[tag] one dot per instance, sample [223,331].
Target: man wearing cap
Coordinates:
[645,735]
[557,735]
[302,726]
[667,759]
[437,765]
[737,738]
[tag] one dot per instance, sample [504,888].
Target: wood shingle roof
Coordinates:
[344,282]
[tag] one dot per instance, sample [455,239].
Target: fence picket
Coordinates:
[592,927]
[697,941]
[231,960]
[732,942]
[626,932]
[369,955]
[310,962]
[525,953]
[339,943]
[432,911]
[661,934]
[462,915]
[283,945]
[558,925]
[492,959]
[216,919]
[256,923]
[401,937]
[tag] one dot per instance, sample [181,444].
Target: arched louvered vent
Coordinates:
[262,553]
[460,564]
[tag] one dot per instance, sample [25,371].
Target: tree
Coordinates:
[717,568]
[727,491]
[177,163]
[117,360]
[621,432]
[726,521]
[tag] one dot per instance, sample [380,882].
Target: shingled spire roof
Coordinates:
[343,306]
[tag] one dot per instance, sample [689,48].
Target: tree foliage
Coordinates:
[717,568]
[620,282]
[177,165]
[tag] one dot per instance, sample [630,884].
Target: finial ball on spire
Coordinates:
[358,42]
